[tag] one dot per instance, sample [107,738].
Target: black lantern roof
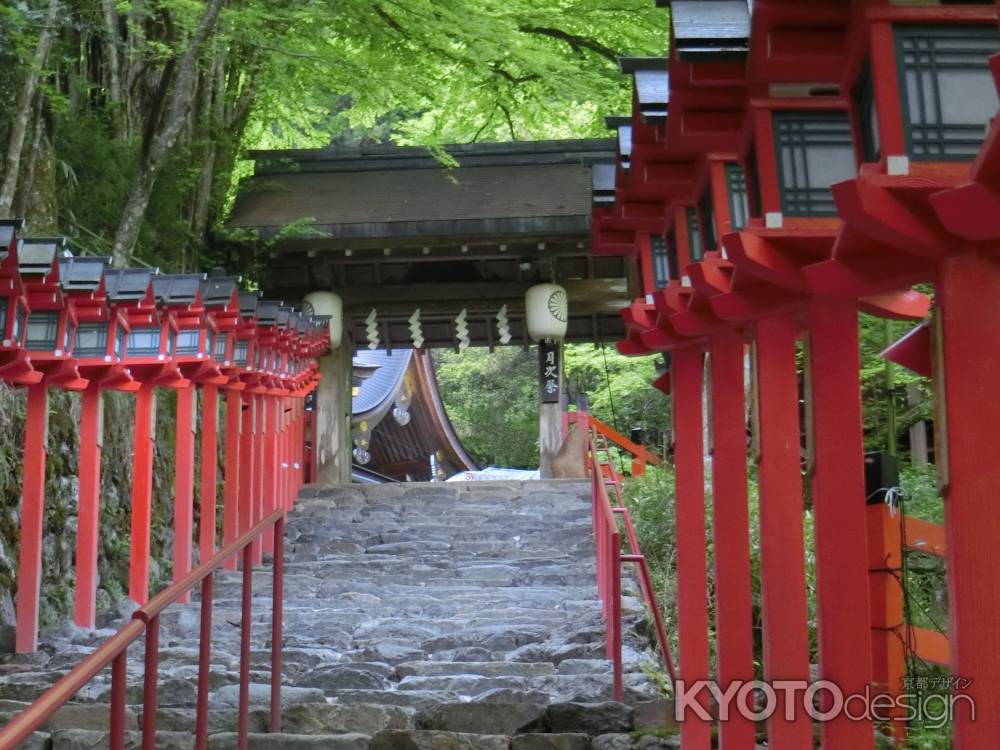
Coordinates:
[652,84]
[37,254]
[9,229]
[216,291]
[82,273]
[177,289]
[603,180]
[248,303]
[710,29]
[319,321]
[127,284]
[623,126]
[285,315]
[268,312]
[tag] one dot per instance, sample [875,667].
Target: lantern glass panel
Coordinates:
[19,316]
[3,317]
[706,210]
[220,346]
[171,343]
[91,340]
[68,337]
[240,352]
[208,343]
[739,205]
[864,103]
[949,95]
[187,341]
[695,246]
[42,330]
[814,151]
[120,341]
[661,261]
[144,342]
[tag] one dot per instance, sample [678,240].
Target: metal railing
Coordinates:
[609,558]
[146,620]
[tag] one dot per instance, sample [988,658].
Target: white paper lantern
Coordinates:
[547,310]
[327,303]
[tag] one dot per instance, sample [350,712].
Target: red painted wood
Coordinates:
[843,615]
[885,80]
[29,564]
[142,494]
[885,545]
[731,530]
[88,515]
[184,485]
[209,471]
[646,264]
[258,478]
[692,569]
[246,471]
[271,476]
[782,563]
[967,289]
[231,473]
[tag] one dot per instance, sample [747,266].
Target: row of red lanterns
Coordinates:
[75,323]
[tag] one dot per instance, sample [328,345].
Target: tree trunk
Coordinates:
[27,184]
[114,69]
[22,111]
[162,143]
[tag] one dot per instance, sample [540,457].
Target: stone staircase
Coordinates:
[417,617]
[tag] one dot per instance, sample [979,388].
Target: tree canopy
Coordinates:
[129,118]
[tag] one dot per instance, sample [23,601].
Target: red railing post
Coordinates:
[209,471]
[277,615]
[731,530]
[692,566]
[119,676]
[615,611]
[29,567]
[184,484]
[233,472]
[244,706]
[88,516]
[149,681]
[204,663]
[843,614]
[967,370]
[142,493]
[782,564]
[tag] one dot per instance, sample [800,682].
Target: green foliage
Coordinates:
[492,398]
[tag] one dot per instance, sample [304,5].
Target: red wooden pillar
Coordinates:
[968,368]
[271,475]
[246,466]
[843,613]
[234,445]
[692,567]
[89,513]
[782,565]
[29,566]
[209,471]
[286,452]
[184,484]
[885,565]
[731,529]
[257,481]
[142,493]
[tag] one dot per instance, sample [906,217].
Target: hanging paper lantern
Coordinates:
[547,310]
[327,303]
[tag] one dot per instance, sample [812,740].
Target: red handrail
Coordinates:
[639,452]
[146,620]
[609,557]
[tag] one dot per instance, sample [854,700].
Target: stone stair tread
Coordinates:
[416,617]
